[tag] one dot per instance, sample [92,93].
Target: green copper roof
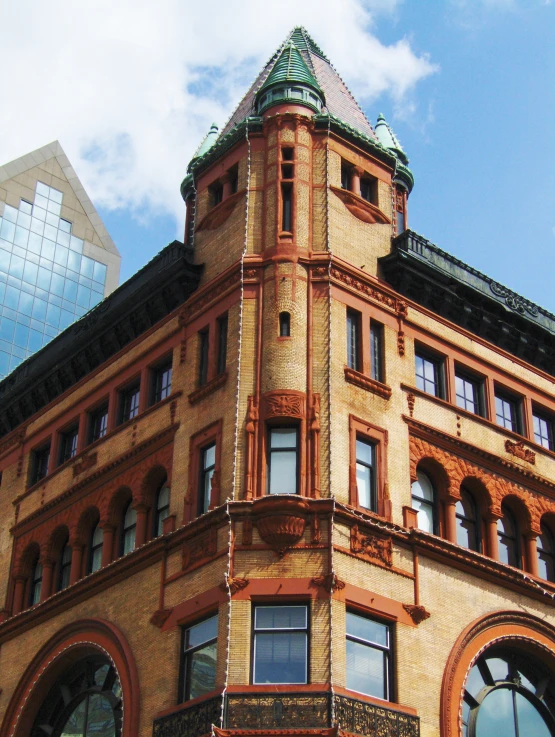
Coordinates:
[290,68]
[304,42]
[387,138]
[209,140]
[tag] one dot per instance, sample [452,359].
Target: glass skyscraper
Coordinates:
[46,281]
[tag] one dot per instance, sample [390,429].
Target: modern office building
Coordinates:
[57,260]
[296,476]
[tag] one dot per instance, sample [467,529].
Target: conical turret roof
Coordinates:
[290,67]
[388,139]
[339,102]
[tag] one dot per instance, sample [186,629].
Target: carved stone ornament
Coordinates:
[199,548]
[371,547]
[512,300]
[410,401]
[159,617]
[329,582]
[281,521]
[368,290]
[517,449]
[359,207]
[234,585]
[84,464]
[417,612]
[284,405]
[367,383]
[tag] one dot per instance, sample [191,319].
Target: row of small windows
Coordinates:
[93,555]
[97,421]
[470,527]
[280,652]
[470,393]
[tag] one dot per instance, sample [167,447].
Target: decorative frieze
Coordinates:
[371,547]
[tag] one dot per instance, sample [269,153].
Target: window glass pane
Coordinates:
[367,629]
[423,488]
[280,617]
[530,721]
[365,452]
[366,670]
[201,632]
[280,657]
[496,715]
[283,438]
[202,671]
[283,473]
[364,486]
[100,717]
[425,515]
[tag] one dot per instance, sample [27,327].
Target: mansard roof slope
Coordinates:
[339,100]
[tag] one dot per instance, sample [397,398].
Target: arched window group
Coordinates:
[468,526]
[66,561]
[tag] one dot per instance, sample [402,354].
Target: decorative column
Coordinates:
[356,173]
[491,535]
[142,519]
[530,541]
[76,561]
[47,574]
[226,182]
[451,520]
[19,593]
[107,543]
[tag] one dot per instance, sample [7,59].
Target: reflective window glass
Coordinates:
[424,501]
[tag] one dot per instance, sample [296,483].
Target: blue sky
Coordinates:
[466,84]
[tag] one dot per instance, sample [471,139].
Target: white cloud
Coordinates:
[130,88]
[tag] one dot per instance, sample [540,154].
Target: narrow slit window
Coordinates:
[287,207]
[203,357]
[284,324]
[222,343]
[376,351]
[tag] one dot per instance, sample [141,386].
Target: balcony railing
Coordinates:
[287,711]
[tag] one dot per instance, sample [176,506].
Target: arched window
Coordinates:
[36,583]
[468,522]
[162,510]
[425,502]
[284,324]
[95,549]
[64,567]
[129,529]
[546,554]
[85,701]
[509,539]
[508,693]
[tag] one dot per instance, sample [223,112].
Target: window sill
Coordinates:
[478,418]
[208,388]
[366,383]
[361,208]
[220,212]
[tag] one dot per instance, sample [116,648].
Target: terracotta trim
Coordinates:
[379,437]
[208,388]
[359,207]
[82,635]
[206,436]
[506,626]
[195,608]
[373,604]
[217,216]
[375,701]
[366,383]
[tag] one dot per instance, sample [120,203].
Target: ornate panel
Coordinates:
[358,717]
[192,721]
[277,711]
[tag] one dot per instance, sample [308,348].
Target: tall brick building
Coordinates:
[295,476]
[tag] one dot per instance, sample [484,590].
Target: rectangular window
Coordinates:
[376,351]
[366,474]
[353,340]
[161,382]
[198,659]
[207,467]
[345,176]
[429,375]
[129,403]
[98,423]
[469,393]
[216,193]
[40,459]
[368,189]
[280,644]
[369,658]
[203,356]
[282,460]
[507,412]
[543,430]
[68,444]
[286,203]
[222,344]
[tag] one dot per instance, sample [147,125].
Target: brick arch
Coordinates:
[518,628]
[498,488]
[151,483]
[74,641]
[520,510]
[476,485]
[115,505]
[83,525]
[23,565]
[56,540]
